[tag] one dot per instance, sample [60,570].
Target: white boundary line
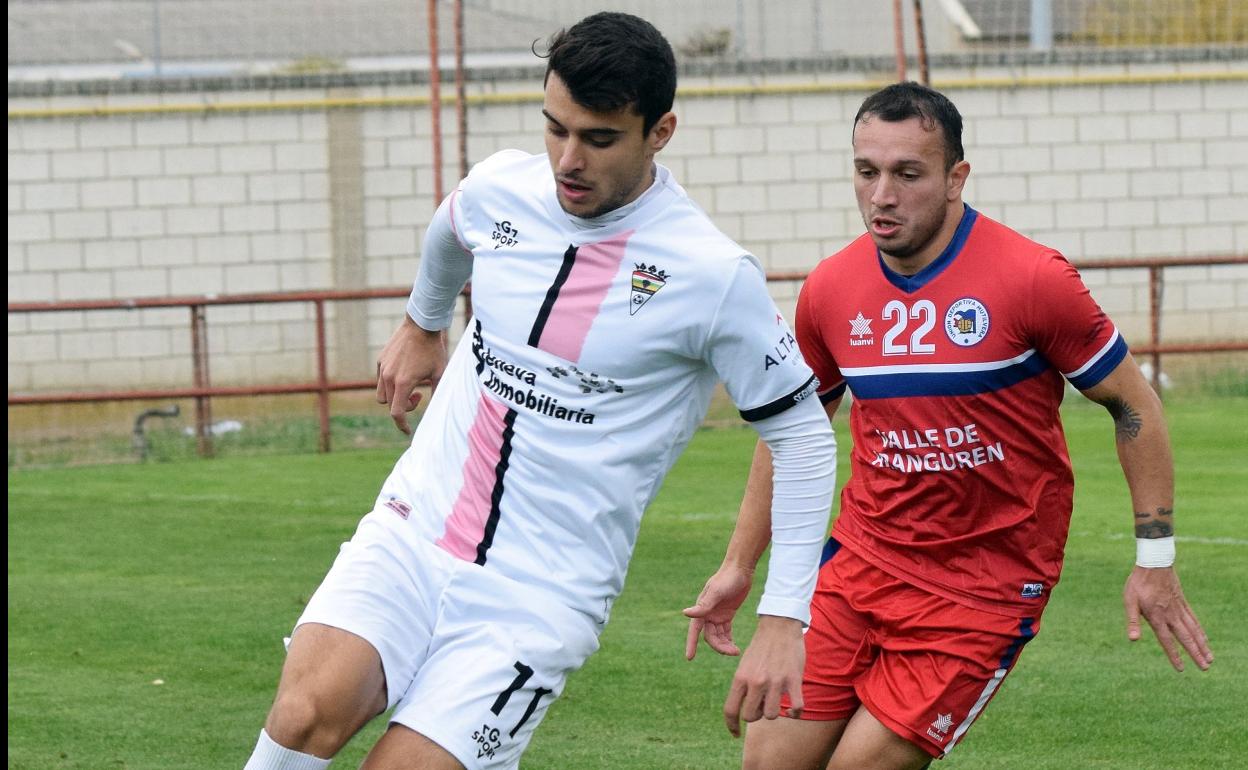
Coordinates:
[1178,538]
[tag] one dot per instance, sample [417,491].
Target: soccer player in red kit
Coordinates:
[956,336]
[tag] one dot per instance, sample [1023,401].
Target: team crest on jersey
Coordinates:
[647,280]
[966,323]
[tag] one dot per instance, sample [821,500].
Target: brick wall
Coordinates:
[1097,162]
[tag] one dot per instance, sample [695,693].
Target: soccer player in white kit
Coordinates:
[607,306]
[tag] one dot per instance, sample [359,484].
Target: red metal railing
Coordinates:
[202,391]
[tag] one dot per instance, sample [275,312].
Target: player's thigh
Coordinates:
[402,748]
[501,655]
[335,666]
[790,744]
[867,744]
[385,589]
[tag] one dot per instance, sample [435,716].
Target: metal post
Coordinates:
[435,101]
[461,113]
[156,35]
[1154,322]
[199,369]
[1041,25]
[921,38]
[461,99]
[899,40]
[322,376]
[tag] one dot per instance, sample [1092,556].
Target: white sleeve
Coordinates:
[445,266]
[752,349]
[803,452]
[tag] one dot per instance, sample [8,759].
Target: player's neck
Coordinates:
[623,210]
[912,264]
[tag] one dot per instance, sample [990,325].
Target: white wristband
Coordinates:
[1154,552]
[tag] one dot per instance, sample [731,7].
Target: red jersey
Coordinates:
[960,480]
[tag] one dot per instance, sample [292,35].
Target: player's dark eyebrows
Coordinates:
[919,163]
[601,131]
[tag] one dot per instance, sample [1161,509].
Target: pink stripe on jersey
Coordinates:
[580,298]
[465,527]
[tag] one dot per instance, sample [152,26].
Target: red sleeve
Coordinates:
[1067,326]
[810,339]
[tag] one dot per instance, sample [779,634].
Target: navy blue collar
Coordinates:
[912,283]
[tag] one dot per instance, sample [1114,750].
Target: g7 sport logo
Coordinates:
[505,234]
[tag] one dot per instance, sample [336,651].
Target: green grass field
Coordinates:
[147,605]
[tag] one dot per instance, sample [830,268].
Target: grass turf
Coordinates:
[147,605]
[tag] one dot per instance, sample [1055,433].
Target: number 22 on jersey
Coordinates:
[923,313]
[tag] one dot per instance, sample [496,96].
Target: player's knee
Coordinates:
[790,744]
[303,722]
[766,750]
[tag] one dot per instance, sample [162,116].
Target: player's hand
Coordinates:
[412,357]
[711,616]
[1156,594]
[771,667]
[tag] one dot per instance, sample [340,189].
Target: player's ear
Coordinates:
[661,132]
[956,180]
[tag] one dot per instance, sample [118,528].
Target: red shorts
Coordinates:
[923,665]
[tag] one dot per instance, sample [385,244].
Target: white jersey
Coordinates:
[589,363]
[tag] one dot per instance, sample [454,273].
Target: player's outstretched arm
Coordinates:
[412,357]
[1152,590]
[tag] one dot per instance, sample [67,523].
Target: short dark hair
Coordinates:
[610,61]
[902,101]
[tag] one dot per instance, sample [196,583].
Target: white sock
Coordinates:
[270,756]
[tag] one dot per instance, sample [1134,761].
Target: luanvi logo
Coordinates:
[940,727]
[860,331]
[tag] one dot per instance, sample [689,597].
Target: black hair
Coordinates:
[610,61]
[902,101]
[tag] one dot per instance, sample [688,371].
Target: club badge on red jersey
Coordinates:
[966,322]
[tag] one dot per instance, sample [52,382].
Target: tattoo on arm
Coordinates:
[1127,422]
[1152,525]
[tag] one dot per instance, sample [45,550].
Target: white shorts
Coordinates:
[472,659]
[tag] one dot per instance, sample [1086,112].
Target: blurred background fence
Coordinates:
[179,148]
[79,39]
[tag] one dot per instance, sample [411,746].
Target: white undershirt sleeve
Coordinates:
[803,452]
[445,266]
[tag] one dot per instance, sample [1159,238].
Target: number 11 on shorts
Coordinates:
[525,673]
